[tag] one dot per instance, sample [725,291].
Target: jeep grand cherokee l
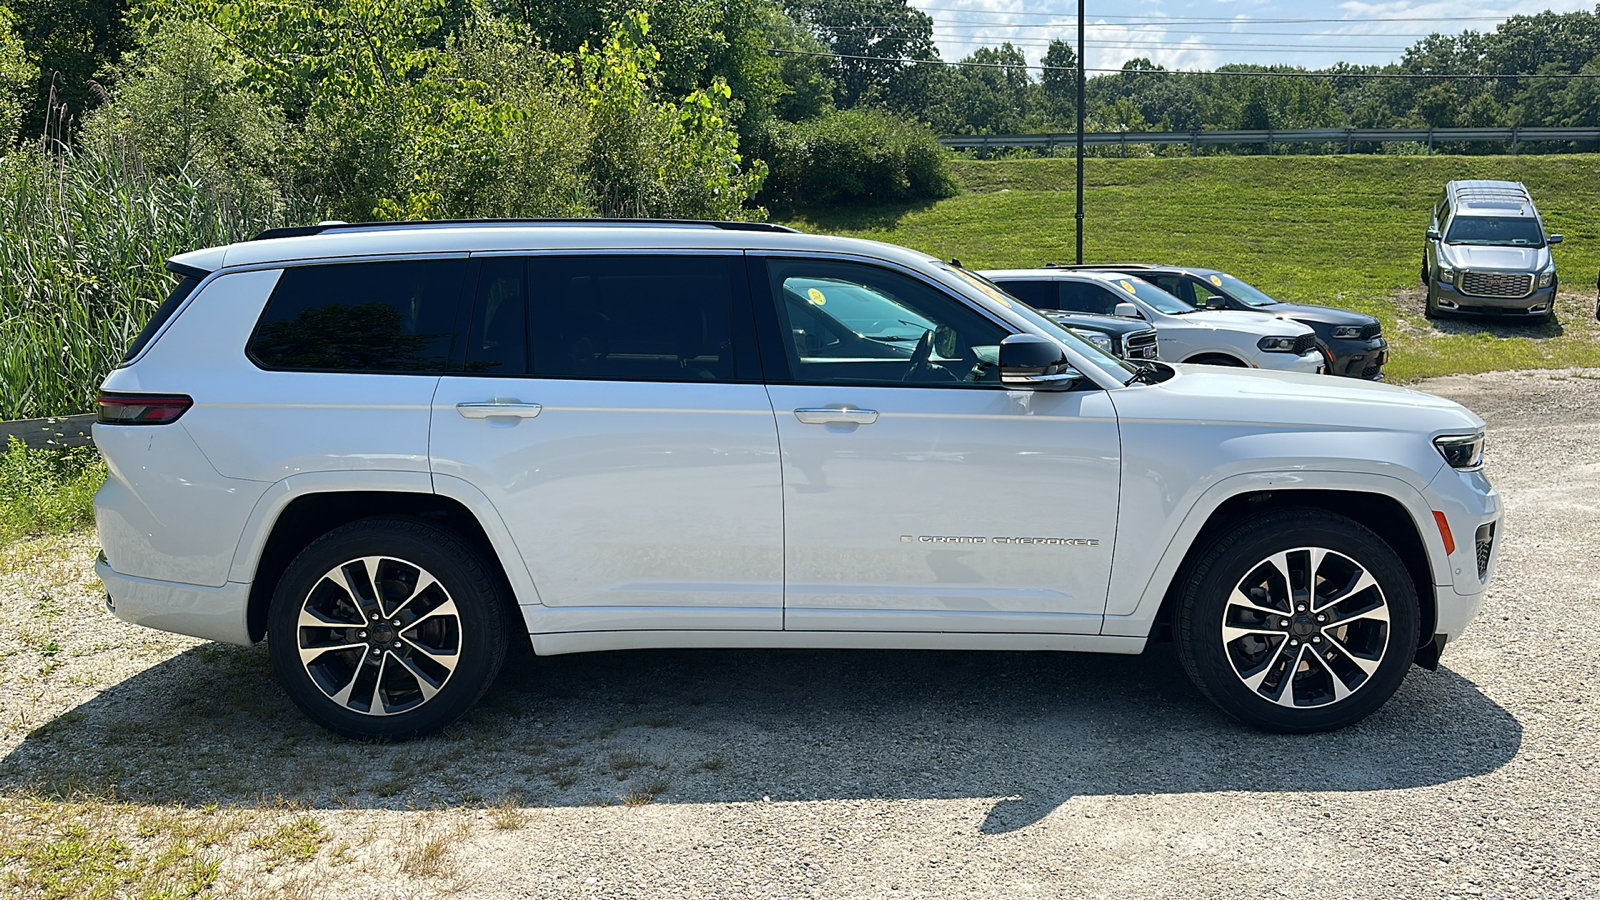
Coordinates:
[392,450]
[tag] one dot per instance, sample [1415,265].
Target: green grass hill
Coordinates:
[1343,231]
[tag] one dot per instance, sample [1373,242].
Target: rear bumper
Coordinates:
[212,613]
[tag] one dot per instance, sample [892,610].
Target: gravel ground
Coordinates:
[862,774]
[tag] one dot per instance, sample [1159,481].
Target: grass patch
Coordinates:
[47,491]
[1342,231]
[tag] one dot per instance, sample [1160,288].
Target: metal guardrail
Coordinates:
[48,434]
[1347,136]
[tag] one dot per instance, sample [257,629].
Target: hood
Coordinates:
[1321,315]
[1277,400]
[1260,324]
[1480,258]
[1103,324]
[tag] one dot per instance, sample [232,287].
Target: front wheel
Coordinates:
[1298,621]
[386,628]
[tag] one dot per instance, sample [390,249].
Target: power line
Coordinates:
[1209,20]
[1418,76]
[1183,45]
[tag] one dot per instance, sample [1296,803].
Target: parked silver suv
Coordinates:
[1487,253]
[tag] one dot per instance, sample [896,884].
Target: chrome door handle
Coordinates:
[830,415]
[486,408]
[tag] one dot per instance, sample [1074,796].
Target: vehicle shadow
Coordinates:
[1028,730]
[1413,300]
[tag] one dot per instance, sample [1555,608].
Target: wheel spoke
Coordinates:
[447,608]
[1365,581]
[1340,689]
[376,703]
[443,660]
[309,655]
[1231,633]
[1367,666]
[425,684]
[1240,598]
[342,697]
[1376,614]
[424,581]
[316,618]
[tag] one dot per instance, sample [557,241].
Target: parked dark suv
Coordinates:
[1352,342]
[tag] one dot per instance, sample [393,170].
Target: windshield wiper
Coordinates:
[1147,374]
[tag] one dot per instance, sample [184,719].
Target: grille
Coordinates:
[1496,284]
[1304,344]
[1485,546]
[1139,345]
[1368,332]
[1371,371]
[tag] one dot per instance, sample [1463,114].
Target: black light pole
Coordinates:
[1080,132]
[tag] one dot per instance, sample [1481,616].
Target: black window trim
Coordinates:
[468,280]
[749,364]
[774,353]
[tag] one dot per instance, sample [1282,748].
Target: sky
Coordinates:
[1203,34]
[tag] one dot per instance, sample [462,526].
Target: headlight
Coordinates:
[1096,338]
[1447,274]
[1461,451]
[1546,278]
[1349,332]
[1277,344]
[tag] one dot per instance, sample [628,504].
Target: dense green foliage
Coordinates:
[81,252]
[47,491]
[853,156]
[1344,231]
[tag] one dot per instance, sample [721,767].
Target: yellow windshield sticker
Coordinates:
[1216,281]
[992,294]
[816,296]
[1127,287]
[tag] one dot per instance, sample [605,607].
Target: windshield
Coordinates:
[860,309]
[1109,364]
[1505,231]
[1244,292]
[1151,295]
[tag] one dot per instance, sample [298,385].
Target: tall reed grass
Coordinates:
[84,236]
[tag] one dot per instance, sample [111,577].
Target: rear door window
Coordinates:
[636,317]
[394,317]
[1037,294]
[1080,296]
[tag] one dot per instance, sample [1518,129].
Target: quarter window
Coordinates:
[381,317]
[1037,294]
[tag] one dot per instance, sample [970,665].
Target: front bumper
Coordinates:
[1358,358]
[1450,298]
[1310,363]
[1471,506]
[212,613]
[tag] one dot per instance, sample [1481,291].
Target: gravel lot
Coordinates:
[860,774]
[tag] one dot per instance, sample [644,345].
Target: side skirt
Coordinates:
[551,644]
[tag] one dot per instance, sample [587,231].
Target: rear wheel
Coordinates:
[1298,621]
[386,628]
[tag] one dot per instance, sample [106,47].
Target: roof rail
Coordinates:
[327,227]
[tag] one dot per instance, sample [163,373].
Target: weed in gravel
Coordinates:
[426,853]
[299,839]
[716,762]
[508,815]
[622,762]
[647,792]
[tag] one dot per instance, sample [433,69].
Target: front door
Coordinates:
[919,493]
[611,409]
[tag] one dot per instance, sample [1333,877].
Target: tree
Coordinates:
[877,41]
[1059,80]
[75,38]
[17,79]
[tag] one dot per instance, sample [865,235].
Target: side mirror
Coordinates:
[1215,302]
[1433,234]
[1554,239]
[1033,363]
[1127,311]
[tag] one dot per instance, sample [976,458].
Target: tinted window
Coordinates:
[1503,230]
[361,317]
[644,318]
[182,289]
[1176,285]
[848,323]
[1037,294]
[497,343]
[1081,296]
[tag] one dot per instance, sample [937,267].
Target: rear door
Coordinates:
[610,407]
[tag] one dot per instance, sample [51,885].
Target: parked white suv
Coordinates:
[390,450]
[1185,332]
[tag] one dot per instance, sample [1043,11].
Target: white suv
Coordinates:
[1185,332]
[389,450]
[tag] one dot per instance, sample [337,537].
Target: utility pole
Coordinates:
[1080,131]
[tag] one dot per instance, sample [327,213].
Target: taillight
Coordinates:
[141,409]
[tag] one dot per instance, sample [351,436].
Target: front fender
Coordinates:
[1139,581]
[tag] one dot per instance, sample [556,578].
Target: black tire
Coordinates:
[445,651]
[1429,309]
[1221,668]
